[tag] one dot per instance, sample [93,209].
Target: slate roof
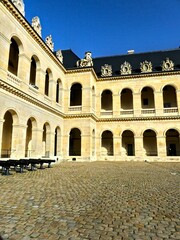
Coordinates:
[69,59]
[156,58]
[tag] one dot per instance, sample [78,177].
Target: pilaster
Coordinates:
[116,105]
[158,97]
[137,104]
[18,141]
[161,145]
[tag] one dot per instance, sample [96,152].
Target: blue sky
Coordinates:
[108,27]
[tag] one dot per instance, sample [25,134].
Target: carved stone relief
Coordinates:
[49,42]
[36,25]
[19,5]
[126,68]
[106,70]
[146,67]
[59,56]
[167,65]
[86,61]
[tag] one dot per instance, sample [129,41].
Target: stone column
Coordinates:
[178,100]
[161,145]
[117,147]
[24,67]
[4,56]
[98,104]
[86,99]
[18,141]
[139,150]
[37,145]
[116,105]
[137,104]
[52,90]
[65,146]
[50,143]
[158,98]
[40,80]
[85,146]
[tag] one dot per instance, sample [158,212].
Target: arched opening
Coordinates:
[30,137]
[6,147]
[147,98]
[107,143]
[75,142]
[172,143]
[28,147]
[150,143]
[46,89]
[32,80]
[13,57]
[58,91]
[169,97]
[46,140]
[128,143]
[57,146]
[126,99]
[106,100]
[76,95]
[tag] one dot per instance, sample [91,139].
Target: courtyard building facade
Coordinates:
[55,104]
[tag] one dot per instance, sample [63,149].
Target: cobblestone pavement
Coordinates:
[98,200]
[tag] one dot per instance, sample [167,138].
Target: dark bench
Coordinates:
[22,163]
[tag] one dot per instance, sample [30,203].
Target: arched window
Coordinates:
[126,99]
[128,143]
[150,142]
[46,89]
[106,100]
[169,97]
[75,142]
[58,91]
[32,80]
[147,98]
[172,143]
[76,95]
[13,57]
[107,143]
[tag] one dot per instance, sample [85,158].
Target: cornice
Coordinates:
[142,75]
[19,17]
[82,70]
[135,119]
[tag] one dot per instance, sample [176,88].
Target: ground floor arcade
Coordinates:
[85,139]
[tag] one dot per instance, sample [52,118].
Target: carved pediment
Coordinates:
[167,65]
[146,67]
[106,70]
[126,68]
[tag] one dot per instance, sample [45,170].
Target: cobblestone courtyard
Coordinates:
[99,200]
